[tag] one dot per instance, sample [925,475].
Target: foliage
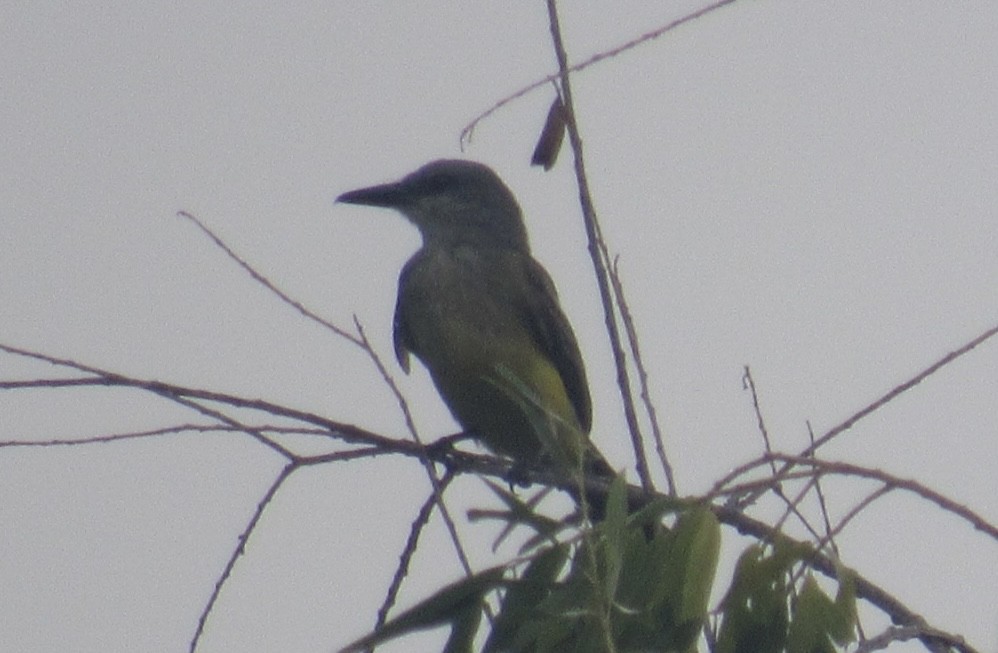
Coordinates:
[760,613]
[613,588]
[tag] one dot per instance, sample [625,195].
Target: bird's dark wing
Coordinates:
[553,334]
[400,332]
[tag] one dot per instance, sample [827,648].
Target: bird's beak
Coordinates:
[386,195]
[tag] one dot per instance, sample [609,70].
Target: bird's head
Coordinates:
[452,202]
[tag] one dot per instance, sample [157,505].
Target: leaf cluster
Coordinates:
[614,588]
[762,611]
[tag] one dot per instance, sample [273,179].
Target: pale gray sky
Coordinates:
[806,189]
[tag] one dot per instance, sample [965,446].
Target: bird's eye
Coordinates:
[437,184]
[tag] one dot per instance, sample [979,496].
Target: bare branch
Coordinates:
[422,518]
[597,254]
[469,129]
[898,390]
[632,339]
[239,550]
[361,341]
[267,283]
[891,481]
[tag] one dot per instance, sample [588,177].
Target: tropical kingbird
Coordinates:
[484,318]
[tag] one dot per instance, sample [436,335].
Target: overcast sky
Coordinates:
[806,188]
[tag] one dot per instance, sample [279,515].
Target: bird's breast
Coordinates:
[459,303]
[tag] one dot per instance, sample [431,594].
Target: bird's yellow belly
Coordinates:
[498,385]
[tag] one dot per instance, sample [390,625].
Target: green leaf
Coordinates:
[449,605]
[754,610]
[463,629]
[692,563]
[808,632]
[652,512]
[554,616]
[616,505]
[842,628]
[519,606]
[642,571]
[520,513]
[609,538]
[818,622]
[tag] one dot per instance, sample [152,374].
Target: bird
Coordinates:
[483,316]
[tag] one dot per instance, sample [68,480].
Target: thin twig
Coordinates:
[860,506]
[749,384]
[418,524]
[596,253]
[239,550]
[178,429]
[632,338]
[361,341]
[825,467]
[822,505]
[838,468]
[895,392]
[343,333]
[118,437]
[431,472]
[889,636]
[342,431]
[596,58]
[792,505]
